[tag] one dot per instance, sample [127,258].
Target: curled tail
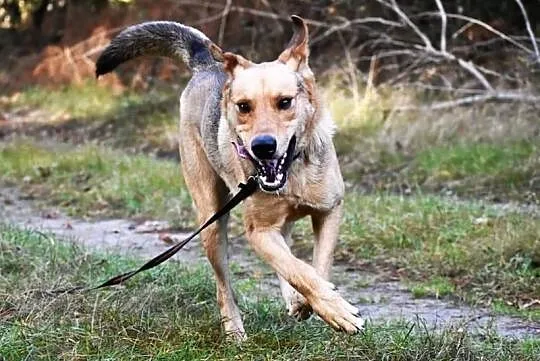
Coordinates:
[160,38]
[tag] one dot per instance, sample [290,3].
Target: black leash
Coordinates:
[245,191]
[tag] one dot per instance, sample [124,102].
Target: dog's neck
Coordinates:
[320,130]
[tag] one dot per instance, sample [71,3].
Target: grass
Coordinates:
[85,100]
[170,314]
[510,166]
[475,159]
[473,252]
[439,246]
[436,287]
[92,113]
[483,151]
[485,255]
[92,181]
[498,171]
[488,151]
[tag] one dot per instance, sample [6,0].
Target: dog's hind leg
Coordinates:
[297,306]
[209,194]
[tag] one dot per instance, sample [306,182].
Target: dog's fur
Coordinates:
[215,140]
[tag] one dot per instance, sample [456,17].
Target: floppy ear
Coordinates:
[234,62]
[297,52]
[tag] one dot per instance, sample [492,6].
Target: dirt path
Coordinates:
[378,301]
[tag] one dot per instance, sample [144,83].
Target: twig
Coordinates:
[529,29]
[482,24]
[349,23]
[469,66]
[444,20]
[244,10]
[208,19]
[495,96]
[351,69]
[223,23]
[394,6]
[271,15]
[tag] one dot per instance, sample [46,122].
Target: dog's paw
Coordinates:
[234,330]
[298,307]
[337,312]
[237,336]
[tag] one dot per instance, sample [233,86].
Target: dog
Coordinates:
[238,119]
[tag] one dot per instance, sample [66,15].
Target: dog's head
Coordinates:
[269,106]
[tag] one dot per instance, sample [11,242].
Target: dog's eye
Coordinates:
[243,107]
[284,103]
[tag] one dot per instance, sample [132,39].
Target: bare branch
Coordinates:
[394,6]
[444,20]
[351,69]
[479,23]
[529,29]
[223,22]
[244,10]
[207,19]
[480,98]
[469,66]
[350,23]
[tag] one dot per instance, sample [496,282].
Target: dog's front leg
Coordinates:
[297,305]
[326,229]
[321,294]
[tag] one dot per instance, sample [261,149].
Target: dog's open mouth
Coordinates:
[271,173]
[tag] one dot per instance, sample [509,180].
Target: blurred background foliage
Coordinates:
[56,41]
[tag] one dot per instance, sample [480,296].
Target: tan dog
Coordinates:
[238,118]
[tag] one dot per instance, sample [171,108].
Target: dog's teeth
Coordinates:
[279,177]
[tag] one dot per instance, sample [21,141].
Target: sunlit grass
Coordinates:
[87,99]
[94,181]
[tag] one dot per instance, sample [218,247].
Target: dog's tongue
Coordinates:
[242,151]
[270,166]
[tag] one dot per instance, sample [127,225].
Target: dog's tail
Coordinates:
[160,38]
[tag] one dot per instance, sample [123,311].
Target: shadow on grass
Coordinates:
[135,122]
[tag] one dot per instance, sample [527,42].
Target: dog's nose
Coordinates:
[264,146]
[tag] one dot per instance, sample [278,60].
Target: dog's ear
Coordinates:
[215,51]
[234,62]
[297,52]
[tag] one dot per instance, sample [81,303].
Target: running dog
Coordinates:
[238,119]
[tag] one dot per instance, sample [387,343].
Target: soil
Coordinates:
[378,301]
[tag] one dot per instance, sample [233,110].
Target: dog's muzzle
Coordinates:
[271,173]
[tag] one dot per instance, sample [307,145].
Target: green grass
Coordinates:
[92,113]
[446,247]
[92,181]
[437,287]
[464,160]
[374,142]
[504,170]
[170,314]
[88,99]
[486,256]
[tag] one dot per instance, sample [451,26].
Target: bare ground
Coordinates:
[378,300]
